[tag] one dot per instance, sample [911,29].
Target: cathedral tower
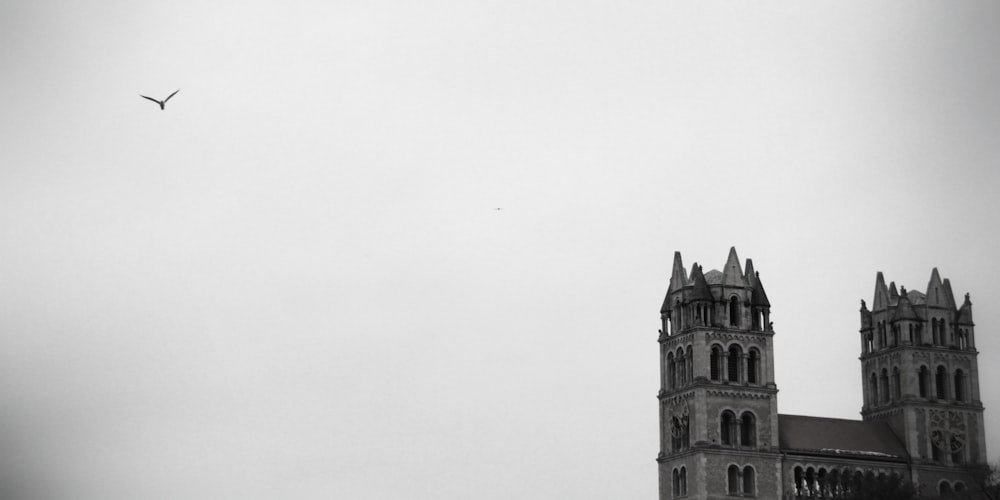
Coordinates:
[718,399]
[920,375]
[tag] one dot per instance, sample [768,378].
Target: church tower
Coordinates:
[920,375]
[718,399]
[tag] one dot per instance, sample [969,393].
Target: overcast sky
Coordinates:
[293,282]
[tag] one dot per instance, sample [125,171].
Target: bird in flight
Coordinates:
[163,102]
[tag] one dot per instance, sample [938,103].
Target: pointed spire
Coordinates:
[935,291]
[893,294]
[881,300]
[700,291]
[965,313]
[752,278]
[732,275]
[759,297]
[948,295]
[677,280]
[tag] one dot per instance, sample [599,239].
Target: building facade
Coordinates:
[720,432]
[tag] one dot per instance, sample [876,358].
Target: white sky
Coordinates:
[292,283]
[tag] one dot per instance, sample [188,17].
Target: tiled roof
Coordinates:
[714,277]
[838,437]
[916,298]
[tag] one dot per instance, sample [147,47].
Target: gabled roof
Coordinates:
[839,437]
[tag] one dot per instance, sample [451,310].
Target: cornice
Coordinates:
[732,394]
[943,350]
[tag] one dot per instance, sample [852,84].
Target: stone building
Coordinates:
[720,431]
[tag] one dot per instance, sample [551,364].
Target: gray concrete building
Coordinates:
[720,432]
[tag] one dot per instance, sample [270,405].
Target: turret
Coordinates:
[904,322]
[670,313]
[699,299]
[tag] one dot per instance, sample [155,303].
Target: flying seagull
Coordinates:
[163,102]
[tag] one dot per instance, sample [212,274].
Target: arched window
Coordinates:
[749,481]
[959,385]
[811,482]
[677,317]
[835,484]
[935,331]
[734,480]
[896,387]
[734,311]
[959,487]
[821,483]
[857,481]
[671,371]
[748,429]
[681,368]
[873,390]
[689,375]
[716,363]
[944,489]
[924,380]
[753,367]
[676,483]
[799,486]
[727,428]
[884,389]
[733,365]
[942,382]
[684,481]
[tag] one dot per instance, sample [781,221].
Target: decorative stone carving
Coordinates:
[948,431]
[680,419]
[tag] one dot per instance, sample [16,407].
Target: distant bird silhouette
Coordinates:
[163,102]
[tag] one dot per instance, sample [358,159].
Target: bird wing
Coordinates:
[150,98]
[171,95]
